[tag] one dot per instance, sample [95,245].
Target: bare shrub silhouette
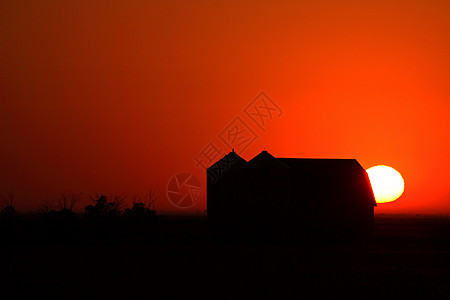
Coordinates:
[142,206]
[67,201]
[65,204]
[116,203]
[46,206]
[8,210]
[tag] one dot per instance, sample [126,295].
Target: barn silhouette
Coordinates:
[293,197]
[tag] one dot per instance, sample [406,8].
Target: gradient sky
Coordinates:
[119,96]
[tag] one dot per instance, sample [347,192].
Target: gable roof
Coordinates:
[267,161]
[229,161]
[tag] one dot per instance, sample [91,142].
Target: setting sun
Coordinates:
[387,183]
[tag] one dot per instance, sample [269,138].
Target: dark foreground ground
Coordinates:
[408,256]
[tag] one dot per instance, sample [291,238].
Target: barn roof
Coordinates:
[322,164]
[267,161]
[229,161]
[320,170]
[331,170]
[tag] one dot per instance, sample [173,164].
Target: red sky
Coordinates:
[119,96]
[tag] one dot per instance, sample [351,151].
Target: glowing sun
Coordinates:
[387,183]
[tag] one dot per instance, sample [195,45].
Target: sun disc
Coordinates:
[387,183]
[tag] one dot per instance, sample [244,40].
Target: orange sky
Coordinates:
[119,96]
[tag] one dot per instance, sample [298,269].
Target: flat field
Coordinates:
[408,256]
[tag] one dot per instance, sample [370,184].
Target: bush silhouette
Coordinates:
[103,207]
